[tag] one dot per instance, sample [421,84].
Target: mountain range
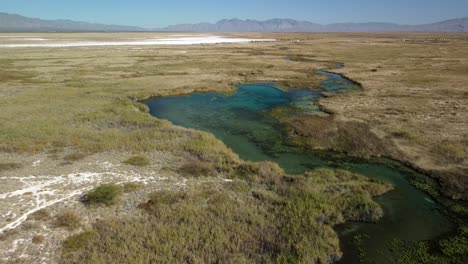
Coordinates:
[290,25]
[17,23]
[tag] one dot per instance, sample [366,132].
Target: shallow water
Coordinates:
[242,121]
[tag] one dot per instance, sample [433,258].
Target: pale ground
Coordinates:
[14,41]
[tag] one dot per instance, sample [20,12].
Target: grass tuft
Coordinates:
[78,241]
[68,219]
[38,239]
[105,194]
[10,166]
[138,161]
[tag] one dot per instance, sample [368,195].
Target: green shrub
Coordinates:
[138,161]
[105,194]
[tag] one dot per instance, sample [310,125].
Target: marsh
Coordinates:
[72,116]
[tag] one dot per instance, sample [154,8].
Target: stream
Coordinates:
[241,120]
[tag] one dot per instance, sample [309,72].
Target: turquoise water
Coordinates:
[242,121]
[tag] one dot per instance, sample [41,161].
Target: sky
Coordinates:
[153,14]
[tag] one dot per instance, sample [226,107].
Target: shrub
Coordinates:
[105,194]
[138,161]
[38,239]
[68,219]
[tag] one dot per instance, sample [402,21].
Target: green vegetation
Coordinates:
[357,241]
[453,250]
[105,194]
[68,219]
[79,241]
[138,161]
[264,217]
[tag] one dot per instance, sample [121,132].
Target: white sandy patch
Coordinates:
[36,163]
[30,39]
[17,36]
[39,192]
[146,42]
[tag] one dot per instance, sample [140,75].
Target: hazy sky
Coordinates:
[153,13]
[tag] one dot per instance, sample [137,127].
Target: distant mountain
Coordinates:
[452,25]
[289,25]
[237,25]
[17,23]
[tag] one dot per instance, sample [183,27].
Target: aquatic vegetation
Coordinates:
[449,251]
